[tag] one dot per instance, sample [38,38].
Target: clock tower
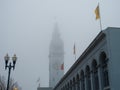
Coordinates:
[56,58]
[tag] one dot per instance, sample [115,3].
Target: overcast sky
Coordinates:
[26,27]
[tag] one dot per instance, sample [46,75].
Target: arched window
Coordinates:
[82,80]
[70,84]
[78,82]
[66,87]
[62,88]
[104,71]
[74,88]
[95,75]
[88,79]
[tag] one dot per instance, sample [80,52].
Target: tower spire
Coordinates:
[56,57]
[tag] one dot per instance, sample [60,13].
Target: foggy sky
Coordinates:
[26,28]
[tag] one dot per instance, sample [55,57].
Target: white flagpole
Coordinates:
[75,51]
[100,17]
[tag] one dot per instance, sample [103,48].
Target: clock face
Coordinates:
[56,66]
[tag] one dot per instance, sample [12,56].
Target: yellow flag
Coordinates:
[97,12]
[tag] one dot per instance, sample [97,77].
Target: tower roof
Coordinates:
[56,33]
[56,44]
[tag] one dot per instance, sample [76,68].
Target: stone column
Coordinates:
[85,80]
[99,77]
[91,76]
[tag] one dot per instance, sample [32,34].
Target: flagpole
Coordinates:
[38,81]
[100,18]
[74,52]
[75,56]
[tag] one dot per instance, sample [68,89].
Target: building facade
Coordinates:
[56,58]
[98,67]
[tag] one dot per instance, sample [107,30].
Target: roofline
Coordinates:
[95,42]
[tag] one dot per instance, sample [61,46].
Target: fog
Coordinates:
[26,28]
